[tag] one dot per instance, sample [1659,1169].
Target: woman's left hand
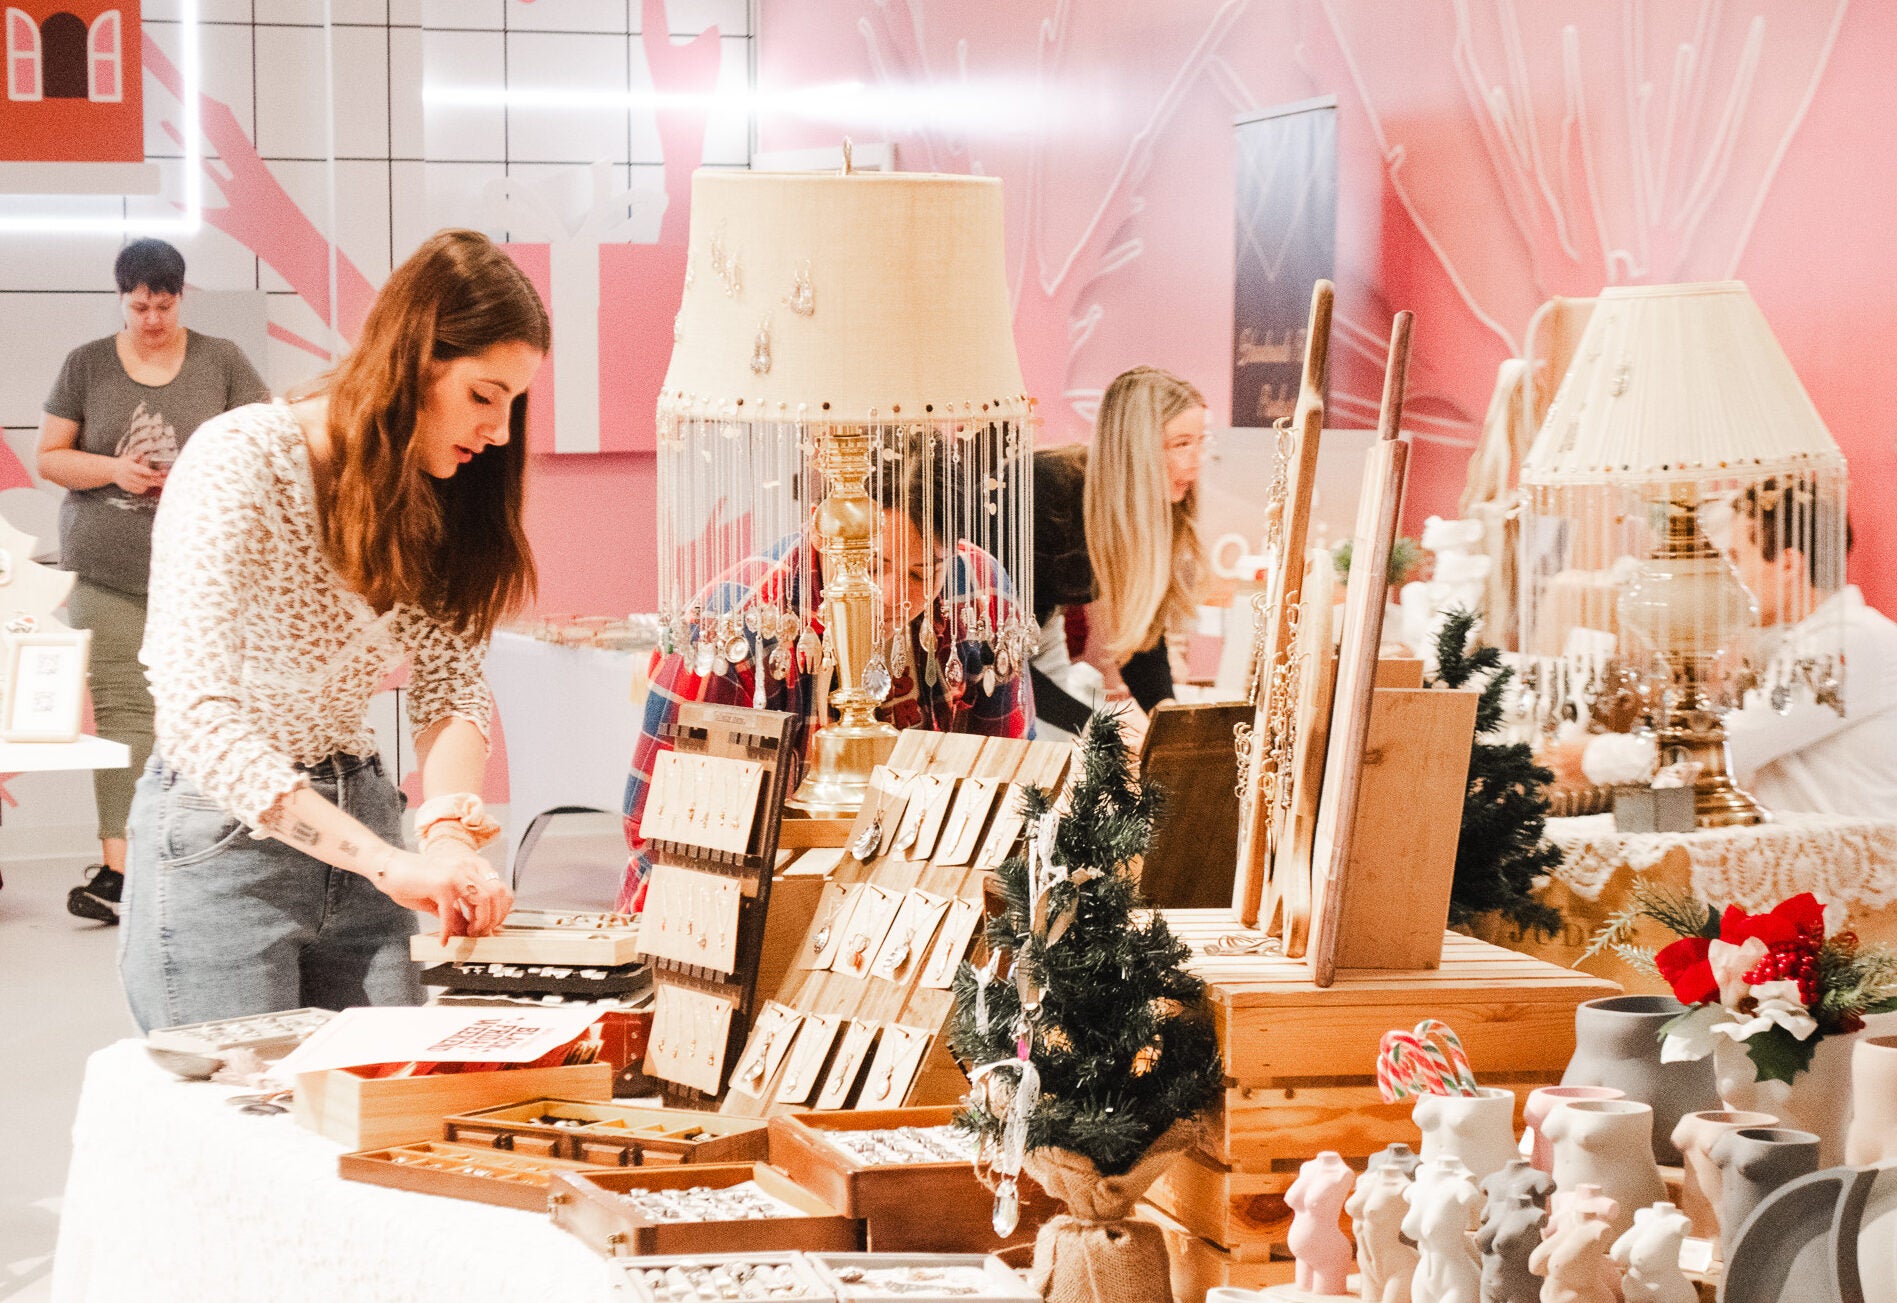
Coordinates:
[484,899]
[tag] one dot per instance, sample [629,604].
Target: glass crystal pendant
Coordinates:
[899,655]
[953,674]
[1007,1208]
[876,680]
[752,619]
[780,661]
[809,650]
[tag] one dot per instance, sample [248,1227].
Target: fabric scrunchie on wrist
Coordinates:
[460,816]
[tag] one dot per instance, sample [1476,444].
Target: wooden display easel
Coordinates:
[879,1003]
[762,736]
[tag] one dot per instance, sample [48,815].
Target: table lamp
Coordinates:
[844,349]
[1680,420]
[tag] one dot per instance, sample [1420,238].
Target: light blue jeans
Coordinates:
[217,924]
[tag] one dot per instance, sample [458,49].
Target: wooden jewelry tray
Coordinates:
[905,1207]
[587,1204]
[614,1135]
[1001,1280]
[629,1274]
[459,1172]
[581,937]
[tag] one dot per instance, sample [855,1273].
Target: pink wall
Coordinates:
[1492,154]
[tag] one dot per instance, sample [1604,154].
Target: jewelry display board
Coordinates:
[1267,747]
[711,824]
[858,1021]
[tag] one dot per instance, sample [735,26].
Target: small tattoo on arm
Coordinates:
[304,834]
[350,848]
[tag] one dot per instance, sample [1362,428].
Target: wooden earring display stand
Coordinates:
[712,820]
[858,1020]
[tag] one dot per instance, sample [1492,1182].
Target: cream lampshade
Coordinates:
[1680,422]
[847,337]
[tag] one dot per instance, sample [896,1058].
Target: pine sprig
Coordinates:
[1502,852]
[1675,908]
[1123,1041]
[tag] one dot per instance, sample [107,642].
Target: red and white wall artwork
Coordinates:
[73,90]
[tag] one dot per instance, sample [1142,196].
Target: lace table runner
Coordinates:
[1841,860]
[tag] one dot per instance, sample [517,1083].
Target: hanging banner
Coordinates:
[1286,205]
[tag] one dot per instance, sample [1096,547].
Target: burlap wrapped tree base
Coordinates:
[1093,1252]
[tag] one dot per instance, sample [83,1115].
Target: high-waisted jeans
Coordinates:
[217,924]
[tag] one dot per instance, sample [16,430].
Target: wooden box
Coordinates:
[1300,1068]
[459,1172]
[589,1207]
[375,1112]
[912,1208]
[612,1135]
[1000,1281]
[630,1283]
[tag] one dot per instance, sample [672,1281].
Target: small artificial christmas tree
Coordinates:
[1110,1046]
[1504,812]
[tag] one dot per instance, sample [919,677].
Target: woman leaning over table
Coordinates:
[301,550]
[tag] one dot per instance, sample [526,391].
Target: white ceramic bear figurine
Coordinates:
[1444,1204]
[1649,1254]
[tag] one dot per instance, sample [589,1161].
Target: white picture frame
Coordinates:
[46,686]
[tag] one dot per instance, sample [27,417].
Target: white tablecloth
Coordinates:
[570,721]
[174,1194]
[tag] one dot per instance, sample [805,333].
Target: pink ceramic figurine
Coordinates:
[1321,1248]
[1546,1100]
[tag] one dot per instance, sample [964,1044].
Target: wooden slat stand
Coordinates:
[1300,1068]
[761,736]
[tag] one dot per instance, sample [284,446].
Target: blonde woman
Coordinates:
[1116,525]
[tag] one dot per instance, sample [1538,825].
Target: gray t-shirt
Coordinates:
[105,533]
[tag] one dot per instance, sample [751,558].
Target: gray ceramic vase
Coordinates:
[1617,1043]
[1753,1162]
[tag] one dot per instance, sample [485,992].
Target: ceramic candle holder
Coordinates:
[1478,1129]
[1546,1100]
[1607,1143]
[1321,1249]
[1873,1135]
[1695,1137]
[1753,1162]
[1617,1043]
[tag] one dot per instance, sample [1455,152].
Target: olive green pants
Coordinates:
[121,699]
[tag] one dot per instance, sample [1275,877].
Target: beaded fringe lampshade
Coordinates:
[845,344]
[1679,438]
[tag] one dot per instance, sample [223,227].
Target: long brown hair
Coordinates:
[455,547]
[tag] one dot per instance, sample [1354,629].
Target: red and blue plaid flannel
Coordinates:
[773,578]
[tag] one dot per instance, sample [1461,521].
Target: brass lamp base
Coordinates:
[840,765]
[1718,801]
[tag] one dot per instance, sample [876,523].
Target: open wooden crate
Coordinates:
[906,1208]
[611,1135]
[588,1206]
[1300,1068]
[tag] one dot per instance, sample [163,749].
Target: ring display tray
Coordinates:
[585,937]
[590,1206]
[920,1277]
[719,1276]
[611,1135]
[267,1035]
[712,819]
[858,1020]
[539,979]
[906,1207]
[459,1172]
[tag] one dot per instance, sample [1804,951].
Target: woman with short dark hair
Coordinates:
[119,413]
[304,549]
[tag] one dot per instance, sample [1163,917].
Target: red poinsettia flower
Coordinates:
[1685,967]
[1800,919]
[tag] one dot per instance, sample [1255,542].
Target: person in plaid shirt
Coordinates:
[775,577]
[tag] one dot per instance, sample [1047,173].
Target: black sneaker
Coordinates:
[99,898]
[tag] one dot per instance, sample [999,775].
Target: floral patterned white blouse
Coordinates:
[260,658]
